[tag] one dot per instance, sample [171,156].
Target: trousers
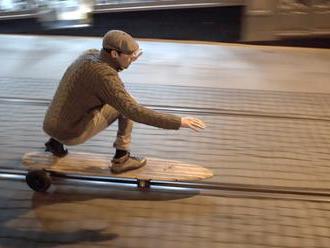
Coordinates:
[102,118]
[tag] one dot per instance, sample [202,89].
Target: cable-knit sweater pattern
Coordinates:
[88,84]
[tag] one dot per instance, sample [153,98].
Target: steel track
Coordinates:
[208,189]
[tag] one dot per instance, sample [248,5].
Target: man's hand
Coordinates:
[193,123]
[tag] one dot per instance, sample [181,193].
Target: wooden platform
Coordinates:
[92,164]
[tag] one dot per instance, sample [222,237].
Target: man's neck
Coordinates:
[105,57]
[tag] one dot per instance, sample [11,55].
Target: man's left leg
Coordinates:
[55,147]
[122,160]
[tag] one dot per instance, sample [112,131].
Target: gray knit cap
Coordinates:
[120,41]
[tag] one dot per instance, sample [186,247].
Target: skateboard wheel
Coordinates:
[38,180]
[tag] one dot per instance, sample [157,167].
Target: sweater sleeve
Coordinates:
[113,92]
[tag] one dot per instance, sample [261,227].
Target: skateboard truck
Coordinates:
[143,184]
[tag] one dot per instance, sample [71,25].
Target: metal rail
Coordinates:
[208,189]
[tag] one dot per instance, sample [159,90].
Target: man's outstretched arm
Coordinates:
[115,94]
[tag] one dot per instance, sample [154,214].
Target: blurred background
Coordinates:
[251,21]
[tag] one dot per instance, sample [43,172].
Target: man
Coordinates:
[91,96]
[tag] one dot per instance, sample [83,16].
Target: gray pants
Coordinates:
[101,120]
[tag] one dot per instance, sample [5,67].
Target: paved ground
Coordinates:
[253,137]
[101,217]
[267,111]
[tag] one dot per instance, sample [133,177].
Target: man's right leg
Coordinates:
[122,160]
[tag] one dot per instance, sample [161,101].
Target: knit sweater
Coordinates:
[89,83]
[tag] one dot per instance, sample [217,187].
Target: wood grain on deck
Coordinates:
[91,164]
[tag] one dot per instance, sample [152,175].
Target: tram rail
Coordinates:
[202,188]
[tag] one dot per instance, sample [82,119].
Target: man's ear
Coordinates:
[114,53]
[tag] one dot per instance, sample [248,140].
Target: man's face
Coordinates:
[125,60]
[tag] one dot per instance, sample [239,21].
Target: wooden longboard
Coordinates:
[91,164]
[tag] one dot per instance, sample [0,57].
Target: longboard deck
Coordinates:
[91,164]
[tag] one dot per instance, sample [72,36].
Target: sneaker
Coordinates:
[127,162]
[55,147]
